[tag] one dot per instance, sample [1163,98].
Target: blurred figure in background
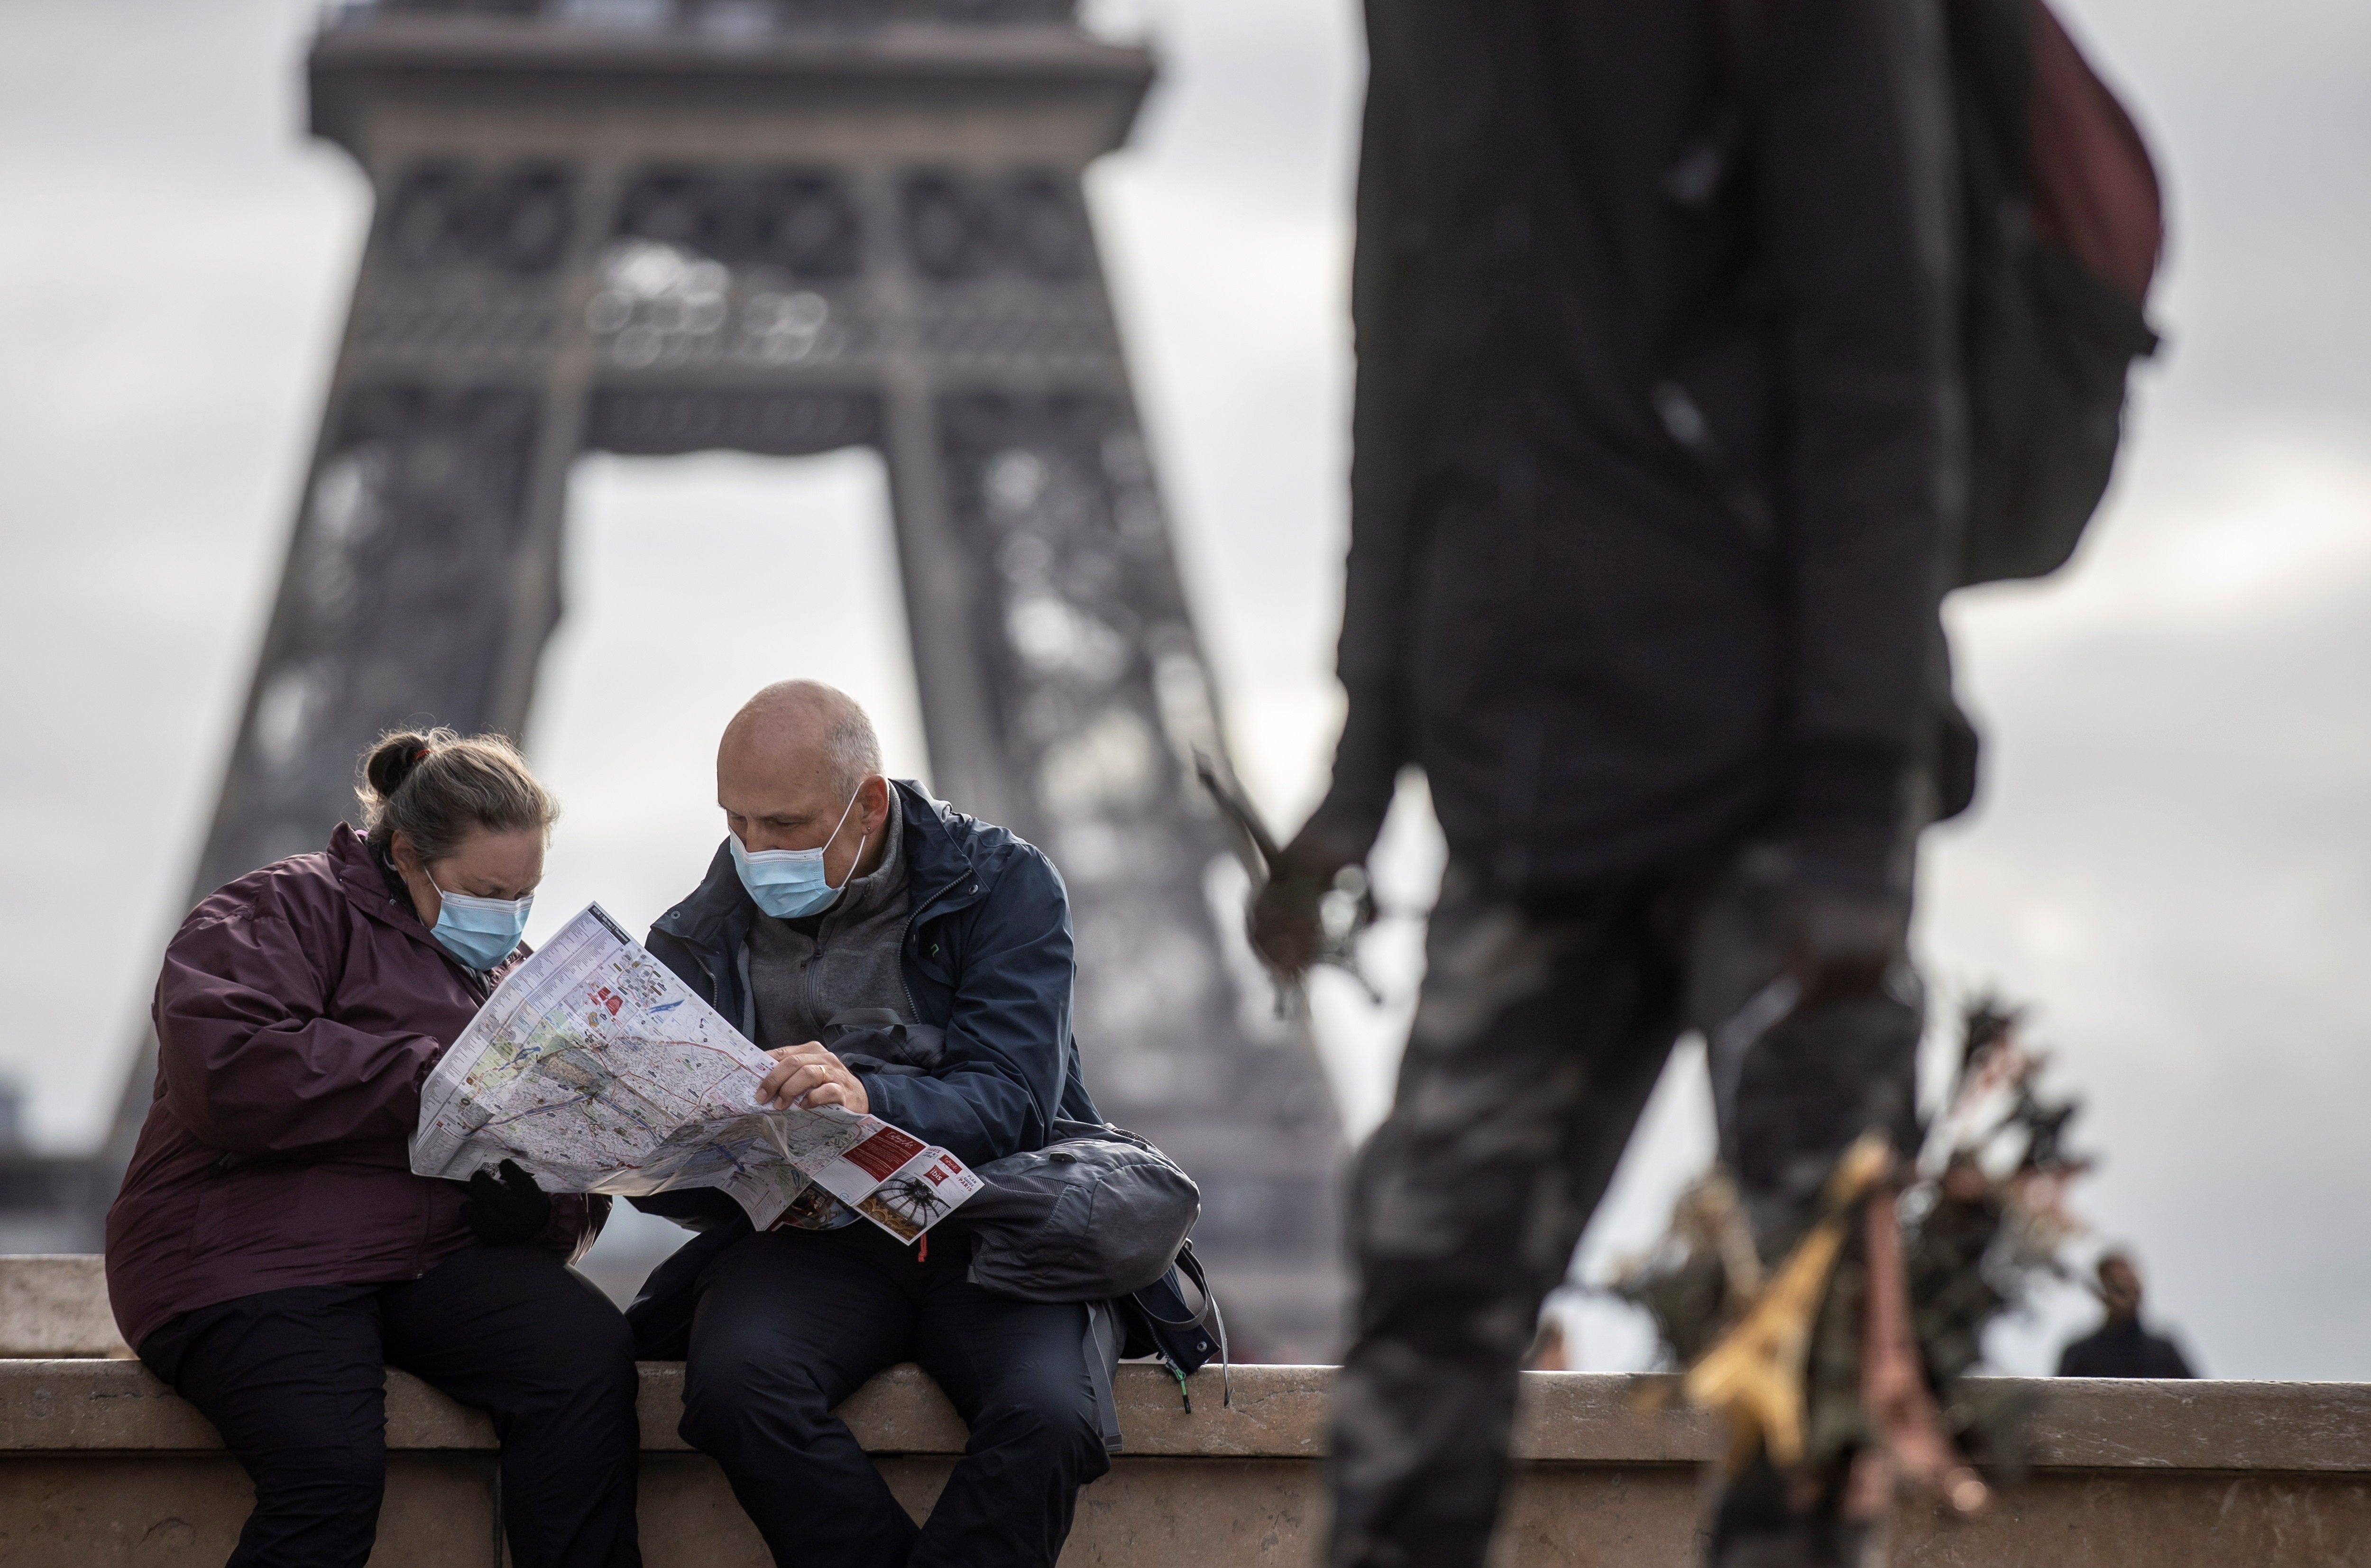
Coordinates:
[2121,1347]
[1658,477]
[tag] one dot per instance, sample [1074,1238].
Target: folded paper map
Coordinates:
[599,1071]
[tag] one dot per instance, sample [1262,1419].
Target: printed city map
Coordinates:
[599,1071]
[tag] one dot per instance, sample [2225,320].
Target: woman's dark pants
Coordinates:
[295,1381]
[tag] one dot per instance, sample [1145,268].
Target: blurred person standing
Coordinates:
[1658,477]
[271,1253]
[2121,1347]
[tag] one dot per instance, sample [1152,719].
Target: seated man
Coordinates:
[897,957]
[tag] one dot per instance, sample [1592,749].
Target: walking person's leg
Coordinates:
[516,1332]
[295,1382]
[1534,1048]
[1795,1081]
[1017,1373]
[790,1323]
[1795,1078]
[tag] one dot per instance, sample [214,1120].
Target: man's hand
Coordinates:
[808,1076]
[1285,926]
[1287,923]
[1839,942]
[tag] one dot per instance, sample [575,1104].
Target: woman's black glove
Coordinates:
[505,1206]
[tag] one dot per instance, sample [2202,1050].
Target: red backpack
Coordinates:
[2065,226]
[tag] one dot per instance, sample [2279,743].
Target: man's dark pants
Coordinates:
[791,1322]
[1539,1032]
[295,1381]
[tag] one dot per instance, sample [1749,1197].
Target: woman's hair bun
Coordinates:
[437,788]
[392,761]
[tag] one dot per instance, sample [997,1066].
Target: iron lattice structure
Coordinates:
[788,226]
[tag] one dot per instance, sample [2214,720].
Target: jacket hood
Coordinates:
[363,881]
[356,867]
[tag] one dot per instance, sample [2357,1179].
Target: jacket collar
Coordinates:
[359,873]
[940,876]
[718,907]
[364,880]
[941,873]
[860,897]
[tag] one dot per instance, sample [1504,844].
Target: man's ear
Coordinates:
[876,802]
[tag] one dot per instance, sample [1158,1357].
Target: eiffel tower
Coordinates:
[785,228]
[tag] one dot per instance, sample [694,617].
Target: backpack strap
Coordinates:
[1102,1345]
[1190,1266]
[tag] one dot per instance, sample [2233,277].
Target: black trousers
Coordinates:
[791,1322]
[1539,1033]
[295,1381]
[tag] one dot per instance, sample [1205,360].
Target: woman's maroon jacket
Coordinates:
[299,1010]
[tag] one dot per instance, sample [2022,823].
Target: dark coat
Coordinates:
[986,958]
[2123,1350]
[299,1010]
[1656,458]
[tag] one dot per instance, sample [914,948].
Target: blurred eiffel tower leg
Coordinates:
[422,578]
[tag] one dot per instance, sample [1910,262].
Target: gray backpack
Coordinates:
[1098,1216]
[1097,1213]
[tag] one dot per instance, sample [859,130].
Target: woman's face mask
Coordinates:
[480,932]
[789,883]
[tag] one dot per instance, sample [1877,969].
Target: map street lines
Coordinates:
[599,1071]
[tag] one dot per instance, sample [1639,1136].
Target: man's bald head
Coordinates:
[799,769]
[803,733]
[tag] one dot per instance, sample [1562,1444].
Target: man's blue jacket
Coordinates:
[987,959]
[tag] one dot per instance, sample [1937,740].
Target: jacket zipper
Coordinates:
[807,983]
[913,1013]
[479,987]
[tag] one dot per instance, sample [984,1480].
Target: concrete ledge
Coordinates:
[2114,1424]
[100,1464]
[69,1406]
[56,1304]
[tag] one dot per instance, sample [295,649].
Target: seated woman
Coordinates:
[271,1253]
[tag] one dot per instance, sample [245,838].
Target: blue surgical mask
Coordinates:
[480,932]
[789,883]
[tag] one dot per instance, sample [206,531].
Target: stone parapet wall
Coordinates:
[100,1465]
[56,1304]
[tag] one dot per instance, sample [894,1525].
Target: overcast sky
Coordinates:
[2170,858]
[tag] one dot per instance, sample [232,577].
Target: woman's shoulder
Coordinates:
[302,890]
